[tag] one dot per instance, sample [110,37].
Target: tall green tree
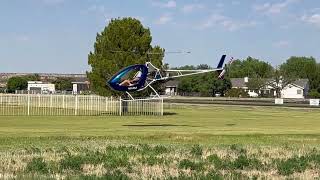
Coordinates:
[303,67]
[125,41]
[63,84]
[250,67]
[17,83]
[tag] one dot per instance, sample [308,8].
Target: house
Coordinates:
[39,87]
[171,88]
[80,86]
[296,89]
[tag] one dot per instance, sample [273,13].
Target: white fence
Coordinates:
[147,107]
[75,105]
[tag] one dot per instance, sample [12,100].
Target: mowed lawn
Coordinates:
[211,124]
[193,142]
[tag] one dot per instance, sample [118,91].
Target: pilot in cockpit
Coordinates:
[134,80]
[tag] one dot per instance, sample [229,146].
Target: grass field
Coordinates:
[211,142]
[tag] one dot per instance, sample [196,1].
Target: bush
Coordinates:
[243,162]
[291,165]
[72,162]
[37,165]
[314,94]
[17,83]
[152,160]
[196,150]
[238,149]
[187,164]
[116,175]
[218,162]
[236,93]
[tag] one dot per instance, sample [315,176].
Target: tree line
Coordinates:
[259,72]
[21,83]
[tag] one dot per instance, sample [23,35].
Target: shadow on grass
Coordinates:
[158,125]
[169,113]
[230,124]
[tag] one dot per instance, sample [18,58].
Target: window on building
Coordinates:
[299,91]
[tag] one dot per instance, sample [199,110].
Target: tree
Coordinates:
[63,84]
[186,67]
[256,83]
[314,93]
[251,68]
[205,84]
[203,66]
[33,77]
[122,43]
[280,79]
[303,67]
[220,86]
[17,83]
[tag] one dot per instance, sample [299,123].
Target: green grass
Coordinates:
[213,120]
[187,142]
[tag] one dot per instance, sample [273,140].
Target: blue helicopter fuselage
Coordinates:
[116,80]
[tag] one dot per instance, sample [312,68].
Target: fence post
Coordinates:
[63,101]
[120,106]
[28,104]
[91,109]
[161,106]
[76,105]
[106,104]
[50,100]
[39,101]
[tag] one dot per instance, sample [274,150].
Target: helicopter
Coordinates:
[147,74]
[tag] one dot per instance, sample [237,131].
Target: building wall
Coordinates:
[292,92]
[171,91]
[50,88]
[79,87]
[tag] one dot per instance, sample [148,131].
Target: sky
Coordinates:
[55,36]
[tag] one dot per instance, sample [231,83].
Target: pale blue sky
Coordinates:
[56,35]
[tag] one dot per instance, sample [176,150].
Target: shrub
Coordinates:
[37,165]
[234,92]
[116,175]
[218,162]
[160,149]
[72,162]
[152,160]
[111,159]
[243,162]
[213,175]
[238,149]
[291,165]
[314,94]
[187,164]
[196,150]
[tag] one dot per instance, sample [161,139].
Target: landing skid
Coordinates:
[132,98]
[130,95]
